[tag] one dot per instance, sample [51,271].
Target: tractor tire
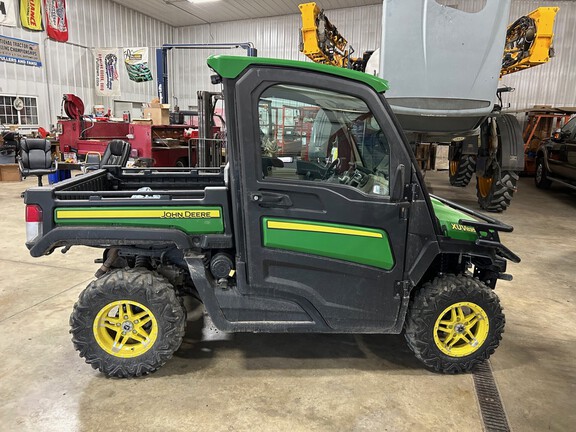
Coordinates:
[462,170]
[454,323]
[495,193]
[541,178]
[128,323]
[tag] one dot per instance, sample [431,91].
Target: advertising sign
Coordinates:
[136,62]
[19,51]
[107,76]
[31,14]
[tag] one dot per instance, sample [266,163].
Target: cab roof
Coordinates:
[232,66]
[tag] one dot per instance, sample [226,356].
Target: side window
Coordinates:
[314,135]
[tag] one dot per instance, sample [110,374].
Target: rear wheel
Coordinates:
[541,178]
[128,323]
[495,192]
[454,323]
[462,170]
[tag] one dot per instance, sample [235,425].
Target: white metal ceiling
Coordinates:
[180,13]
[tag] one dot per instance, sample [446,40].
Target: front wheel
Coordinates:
[128,323]
[541,178]
[454,323]
[495,192]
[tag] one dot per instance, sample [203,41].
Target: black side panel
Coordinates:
[113,236]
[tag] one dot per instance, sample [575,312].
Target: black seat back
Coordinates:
[35,156]
[116,154]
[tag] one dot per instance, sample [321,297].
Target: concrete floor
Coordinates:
[292,382]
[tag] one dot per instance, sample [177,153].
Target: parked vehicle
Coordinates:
[346,242]
[556,158]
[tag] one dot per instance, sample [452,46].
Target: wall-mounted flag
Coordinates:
[56,20]
[136,61]
[7,13]
[107,76]
[31,14]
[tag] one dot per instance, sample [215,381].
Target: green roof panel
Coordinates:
[232,66]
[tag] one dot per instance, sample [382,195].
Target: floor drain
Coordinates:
[491,408]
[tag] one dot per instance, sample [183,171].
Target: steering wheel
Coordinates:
[331,169]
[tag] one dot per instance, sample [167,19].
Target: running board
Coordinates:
[562,182]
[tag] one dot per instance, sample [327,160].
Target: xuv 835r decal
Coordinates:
[192,220]
[361,245]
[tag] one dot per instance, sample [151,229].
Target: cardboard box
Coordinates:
[10,172]
[158,115]
[442,162]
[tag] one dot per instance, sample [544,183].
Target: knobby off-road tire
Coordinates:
[454,323]
[128,323]
[495,193]
[462,170]
[541,177]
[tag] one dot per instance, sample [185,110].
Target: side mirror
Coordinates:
[400,181]
[557,135]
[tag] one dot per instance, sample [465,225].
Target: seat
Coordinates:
[116,154]
[36,158]
[91,162]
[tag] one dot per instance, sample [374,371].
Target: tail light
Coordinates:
[33,222]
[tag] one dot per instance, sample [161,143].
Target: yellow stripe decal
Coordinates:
[135,214]
[321,228]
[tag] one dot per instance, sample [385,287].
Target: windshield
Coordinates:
[570,127]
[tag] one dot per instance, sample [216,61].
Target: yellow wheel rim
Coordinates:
[461,329]
[454,167]
[484,186]
[125,329]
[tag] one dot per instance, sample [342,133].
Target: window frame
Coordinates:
[261,97]
[19,115]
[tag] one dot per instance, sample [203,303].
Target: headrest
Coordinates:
[117,147]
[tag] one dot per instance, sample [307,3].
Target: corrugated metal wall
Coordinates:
[551,84]
[273,37]
[102,23]
[70,69]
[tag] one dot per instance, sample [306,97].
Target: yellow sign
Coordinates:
[31,14]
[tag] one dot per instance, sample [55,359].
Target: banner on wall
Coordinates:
[136,61]
[31,14]
[107,76]
[19,51]
[56,20]
[7,13]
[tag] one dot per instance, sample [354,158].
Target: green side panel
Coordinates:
[190,219]
[449,218]
[370,251]
[232,66]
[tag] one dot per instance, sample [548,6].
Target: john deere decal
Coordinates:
[31,14]
[7,13]
[136,62]
[107,76]
[56,21]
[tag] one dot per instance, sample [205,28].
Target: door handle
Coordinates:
[270,199]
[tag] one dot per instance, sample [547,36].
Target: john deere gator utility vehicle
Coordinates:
[336,235]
